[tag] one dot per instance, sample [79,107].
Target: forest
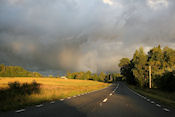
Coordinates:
[162,62]
[16,71]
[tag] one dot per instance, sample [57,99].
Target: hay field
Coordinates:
[50,89]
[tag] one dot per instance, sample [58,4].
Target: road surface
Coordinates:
[115,101]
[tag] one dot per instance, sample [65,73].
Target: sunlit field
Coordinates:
[50,89]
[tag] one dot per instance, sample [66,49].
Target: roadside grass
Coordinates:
[21,94]
[166,98]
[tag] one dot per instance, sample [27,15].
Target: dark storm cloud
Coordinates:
[80,35]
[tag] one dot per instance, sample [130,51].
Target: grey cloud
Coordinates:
[76,35]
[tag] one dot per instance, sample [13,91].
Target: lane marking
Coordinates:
[52,102]
[158,105]
[21,110]
[105,99]
[40,105]
[110,94]
[61,99]
[165,109]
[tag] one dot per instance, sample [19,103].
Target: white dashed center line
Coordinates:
[158,105]
[40,105]
[21,110]
[105,99]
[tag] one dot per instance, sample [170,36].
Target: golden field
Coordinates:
[50,89]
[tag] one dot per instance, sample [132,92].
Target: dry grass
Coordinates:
[50,89]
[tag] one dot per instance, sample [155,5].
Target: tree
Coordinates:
[102,76]
[95,77]
[87,75]
[155,60]
[126,67]
[169,59]
[140,60]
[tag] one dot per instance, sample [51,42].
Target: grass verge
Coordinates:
[166,98]
[19,94]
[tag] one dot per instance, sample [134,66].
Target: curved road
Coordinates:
[115,101]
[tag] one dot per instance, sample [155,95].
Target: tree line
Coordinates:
[162,62]
[16,71]
[102,77]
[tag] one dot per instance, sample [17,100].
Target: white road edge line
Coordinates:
[40,105]
[165,109]
[21,110]
[148,99]
[105,99]
[158,105]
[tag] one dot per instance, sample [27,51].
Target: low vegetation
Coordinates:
[23,91]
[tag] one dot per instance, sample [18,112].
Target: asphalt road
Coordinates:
[115,101]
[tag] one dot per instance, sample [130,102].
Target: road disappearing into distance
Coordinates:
[116,100]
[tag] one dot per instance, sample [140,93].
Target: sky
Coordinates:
[57,36]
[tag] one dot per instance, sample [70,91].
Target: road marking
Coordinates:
[21,110]
[52,102]
[152,102]
[110,94]
[158,105]
[165,109]
[68,97]
[40,105]
[105,99]
[61,99]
